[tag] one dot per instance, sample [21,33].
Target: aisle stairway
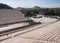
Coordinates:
[47,34]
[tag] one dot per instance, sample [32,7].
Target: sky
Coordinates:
[31,3]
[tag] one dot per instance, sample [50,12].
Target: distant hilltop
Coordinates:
[4,6]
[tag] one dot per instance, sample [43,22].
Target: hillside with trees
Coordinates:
[44,11]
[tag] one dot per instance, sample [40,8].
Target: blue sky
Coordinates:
[31,3]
